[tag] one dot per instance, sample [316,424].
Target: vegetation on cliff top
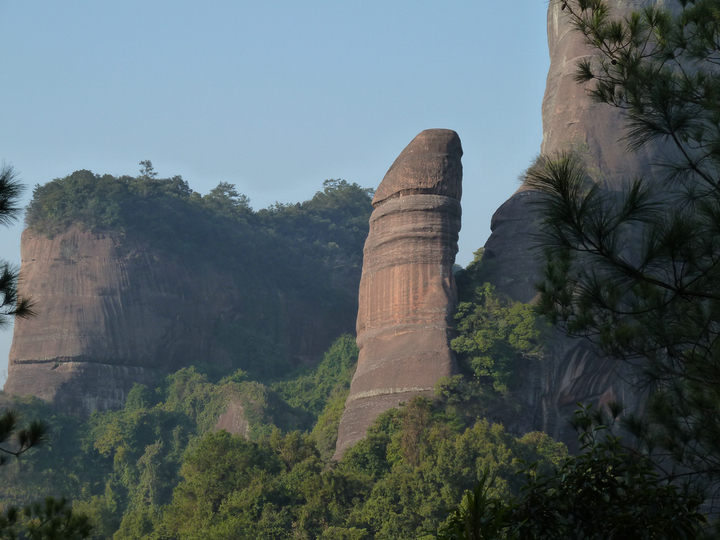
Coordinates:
[288,260]
[168,213]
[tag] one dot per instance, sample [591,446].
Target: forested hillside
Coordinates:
[161,468]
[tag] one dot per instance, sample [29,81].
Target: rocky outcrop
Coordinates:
[234,420]
[112,312]
[108,315]
[407,290]
[572,122]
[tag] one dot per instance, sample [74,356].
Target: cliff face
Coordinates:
[407,289]
[112,312]
[571,122]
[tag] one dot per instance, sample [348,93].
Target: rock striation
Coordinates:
[407,290]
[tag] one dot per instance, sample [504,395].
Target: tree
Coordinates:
[147,171]
[493,334]
[34,434]
[51,520]
[604,493]
[638,271]
[480,516]
[225,200]
[11,304]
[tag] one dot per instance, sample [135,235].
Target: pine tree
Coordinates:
[54,518]
[638,271]
[11,305]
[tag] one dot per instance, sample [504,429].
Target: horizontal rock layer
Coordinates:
[407,289]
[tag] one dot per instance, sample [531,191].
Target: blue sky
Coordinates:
[272,96]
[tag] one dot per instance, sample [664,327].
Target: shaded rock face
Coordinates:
[112,312]
[109,314]
[571,122]
[407,290]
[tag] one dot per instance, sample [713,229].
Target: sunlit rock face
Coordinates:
[407,290]
[572,122]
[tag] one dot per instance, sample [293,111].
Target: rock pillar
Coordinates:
[407,290]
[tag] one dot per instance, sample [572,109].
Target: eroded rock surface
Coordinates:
[572,122]
[234,420]
[407,290]
[112,312]
[109,314]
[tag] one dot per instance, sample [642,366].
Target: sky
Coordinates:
[272,96]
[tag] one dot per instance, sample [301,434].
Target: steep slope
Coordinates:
[571,122]
[123,304]
[109,313]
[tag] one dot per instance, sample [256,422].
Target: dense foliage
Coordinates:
[495,335]
[500,345]
[159,468]
[605,493]
[395,484]
[122,461]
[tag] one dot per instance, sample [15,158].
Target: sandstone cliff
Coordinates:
[114,309]
[407,289]
[109,314]
[571,122]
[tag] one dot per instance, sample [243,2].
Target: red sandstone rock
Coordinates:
[111,312]
[573,121]
[407,290]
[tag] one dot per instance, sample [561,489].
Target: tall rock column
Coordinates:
[407,290]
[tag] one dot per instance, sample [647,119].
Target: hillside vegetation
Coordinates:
[160,468]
